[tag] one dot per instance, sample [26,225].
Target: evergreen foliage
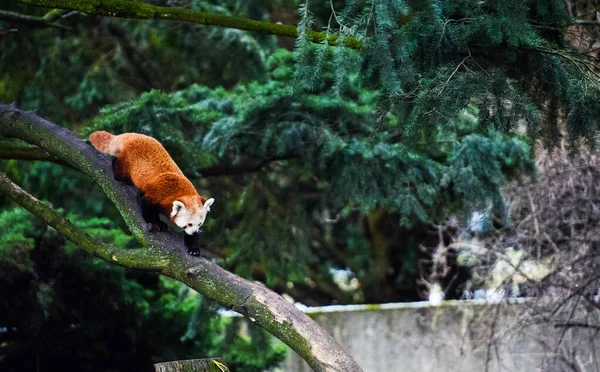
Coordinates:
[432,59]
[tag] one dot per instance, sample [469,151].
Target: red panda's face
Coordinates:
[190,213]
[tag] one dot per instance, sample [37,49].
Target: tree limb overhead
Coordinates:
[139,10]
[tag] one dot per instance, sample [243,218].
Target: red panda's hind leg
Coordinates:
[120,172]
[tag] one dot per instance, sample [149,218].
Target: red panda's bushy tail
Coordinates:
[101,140]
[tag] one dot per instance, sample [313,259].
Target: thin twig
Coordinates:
[29,20]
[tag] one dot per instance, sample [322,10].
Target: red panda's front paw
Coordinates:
[192,243]
[194,252]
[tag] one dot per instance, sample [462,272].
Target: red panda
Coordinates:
[143,161]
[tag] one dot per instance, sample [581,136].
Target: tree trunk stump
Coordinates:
[192,365]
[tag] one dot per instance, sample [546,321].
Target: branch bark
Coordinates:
[164,252]
[139,10]
[30,20]
[191,365]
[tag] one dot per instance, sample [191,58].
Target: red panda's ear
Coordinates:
[177,207]
[202,200]
[208,203]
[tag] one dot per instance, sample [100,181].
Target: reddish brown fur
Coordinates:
[145,162]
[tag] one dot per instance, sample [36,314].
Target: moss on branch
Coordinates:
[141,10]
[55,14]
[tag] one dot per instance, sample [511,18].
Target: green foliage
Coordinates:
[430,60]
[157,114]
[16,242]
[80,313]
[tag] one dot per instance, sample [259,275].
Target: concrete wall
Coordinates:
[456,337]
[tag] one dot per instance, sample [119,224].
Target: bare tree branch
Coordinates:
[584,22]
[30,20]
[250,166]
[140,10]
[9,151]
[258,303]
[577,325]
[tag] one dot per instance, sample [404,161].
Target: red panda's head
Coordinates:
[189,212]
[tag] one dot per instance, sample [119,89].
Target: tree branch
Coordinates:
[30,20]
[139,10]
[55,14]
[256,302]
[133,258]
[30,153]
[585,22]
[251,166]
